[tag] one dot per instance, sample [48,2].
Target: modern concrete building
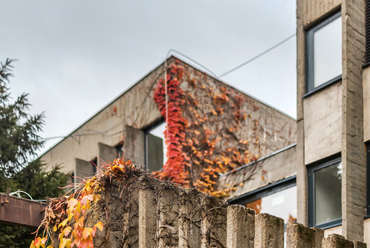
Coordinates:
[323,180]
[320,177]
[132,125]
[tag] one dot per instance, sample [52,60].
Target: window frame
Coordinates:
[311,192]
[265,191]
[309,56]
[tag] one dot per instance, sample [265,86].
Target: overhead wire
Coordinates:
[197,63]
[257,56]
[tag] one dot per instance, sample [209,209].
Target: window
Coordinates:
[119,151]
[324,53]
[155,147]
[278,199]
[325,194]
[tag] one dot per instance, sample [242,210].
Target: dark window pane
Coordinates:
[327,193]
[154,152]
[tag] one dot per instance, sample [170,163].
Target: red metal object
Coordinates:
[19,211]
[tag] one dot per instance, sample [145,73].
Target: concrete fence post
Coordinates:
[189,219]
[358,244]
[269,231]
[299,236]
[240,227]
[213,223]
[319,236]
[336,241]
[168,225]
[147,218]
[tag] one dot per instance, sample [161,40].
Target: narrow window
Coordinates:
[325,191]
[155,147]
[324,53]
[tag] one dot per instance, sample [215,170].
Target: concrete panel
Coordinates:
[323,123]
[367,232]
[83,169]
[366,96]
[333,230]
[133,146]
[106,154]
[315,9]
[273,168]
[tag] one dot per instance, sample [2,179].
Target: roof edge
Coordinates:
[146,75]
[259,160]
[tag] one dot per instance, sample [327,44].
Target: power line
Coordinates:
[196,62]
[256,57]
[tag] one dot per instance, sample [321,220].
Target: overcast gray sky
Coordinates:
[74,57]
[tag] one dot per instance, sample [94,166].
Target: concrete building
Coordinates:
[323,179]
[132,125]
[320,177]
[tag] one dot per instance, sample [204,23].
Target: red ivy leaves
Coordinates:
[175,167]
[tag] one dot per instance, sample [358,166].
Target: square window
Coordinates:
[325,194]
[278,199]
[155,147]
[324,53]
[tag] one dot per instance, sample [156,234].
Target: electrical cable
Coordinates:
[196,62]
[257,56]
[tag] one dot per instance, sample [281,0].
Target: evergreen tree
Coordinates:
[19,141]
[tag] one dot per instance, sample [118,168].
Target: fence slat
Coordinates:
[269,231]
[240,227]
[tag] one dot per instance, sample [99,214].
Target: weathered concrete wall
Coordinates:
[315,9]
[132,108]
[353,148]
[276,167]
[140,211]
[367,231]
[266,129]
[366,102]
[338,230]
[323,123]
[346,113]
[333,230]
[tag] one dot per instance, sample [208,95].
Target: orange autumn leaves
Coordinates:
[201,131]
[66,216]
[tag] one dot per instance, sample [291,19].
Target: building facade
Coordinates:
[312,170]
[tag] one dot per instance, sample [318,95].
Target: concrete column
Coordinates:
[319,236]
[83,169]
[106,154]
[133,146]
[353,148]
[189,219]
[168,224]
[213,223]
[240,227]
[302,184]
[336,241]
[299,236]
[269,231]
[358,244]
[147,218]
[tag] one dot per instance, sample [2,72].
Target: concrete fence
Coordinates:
[184,221]
[142,212]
